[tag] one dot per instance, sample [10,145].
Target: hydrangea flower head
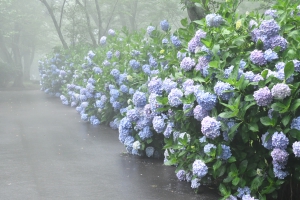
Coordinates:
[257,57]
[270,55]
[206,100]
[263,96]
[281,90]
[243,191]
[226,152]
[134,64]
[168,85]
[175,41]
[200,113]
[279,140]
[278,41]
[111,32]
[187,64]
[272,13]
[269,28]
[145,133]
[181,175]
[296,149]
[164,25]
[266,143]
[221,89]
[214,20]
[279,155]
[139,99]
[150,29]
[208,147]
[149,151]
[210,127]
[103,40]
[199,168]
[174,97]
[296,123]
[158,124]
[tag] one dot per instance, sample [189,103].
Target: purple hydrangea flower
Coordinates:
[252,23]
[249,75]
[158,124]
[296,65]
[187,64]
[124,88]
[272,13]
[280,66]
[164,25]
[202,63]
[200,113]
[139,99]
[279,173]
[200,34]
[214,20]
[263,96]
[174,97]
[146,69]
[168,85]
[181,175]
[296,149]
[103,40]
[269,28]
[257,57]
[169,129]
[279,156]
[152,62]
[195,183]
[199,168]
[210,127]
[278,41]
[279,140]
[221,89]
[111,32]
[281,90]
[132,115]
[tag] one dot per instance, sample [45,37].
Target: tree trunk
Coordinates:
[88,21]
[133,16]
[58,30]
[5,55]
[18,81]
[100,28]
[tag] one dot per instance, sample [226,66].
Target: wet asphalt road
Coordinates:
[47,152]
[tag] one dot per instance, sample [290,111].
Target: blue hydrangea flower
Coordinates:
[200,34]
[279,173]
[278,41]
[135,53]
[193,45]
[242,64]
[263,96]
[155,85]
[266,143]
[249,75]
[214,20]
[281,90]
[145,133]
[243,191]
[117,54]
[195,183]
[296,149]
[84,117]
[174,97]
[139,99]
[175,41]
[187,64]
[94,120]
[200,113]
[158,124]
[257,57]
[279,140]
[168,85]
[181,175]
[169,129]
[164,25]
[154,104]
[210,127]
[103,40]
[199,168]
[134,64]
[226,152]
[124,88]
[109,55]
[111,32]
[280,65]
[132,115]
[146,69]
[296,65]
[114,93]
[270,55]
[296,123]
[208,147]
[150,29]
[252,23]
[206,100]
[222,90]
[180,56]
[91,54]
[202,63]
[149,151]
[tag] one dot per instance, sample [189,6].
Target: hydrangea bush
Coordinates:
[217,99]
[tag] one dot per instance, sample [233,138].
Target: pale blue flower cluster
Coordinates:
[214,20]
[175,41]
[174,97]
[139,99]
[257,57]
[158,124]
[134,64]
[296,123]
[145,133]
[296,149]
[281,91]
[200,113]
[280,140]
[164,25]
[263,96]
[155,86]
[187,64]
[150,29]
[181,175]
[226,152]
[149,151]
[206,100]
[199,168]
[208,148]
[223,90]
[168,85]
[243,191]
[210,127]
[266,143]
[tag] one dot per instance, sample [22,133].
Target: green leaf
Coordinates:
[223,190]
[253,127]
[235,181]
[228,179]
[184,22]
[295,133]
[256,183]
[289,69]
[217,165]
[286,120]
[233,168]
[232,130]
[267,121]
[243,166]
[295,105]
[249,97]
[231,159]
[227,115]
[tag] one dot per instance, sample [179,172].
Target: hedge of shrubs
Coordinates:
[218,99]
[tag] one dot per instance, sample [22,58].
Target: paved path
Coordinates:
[46,152]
